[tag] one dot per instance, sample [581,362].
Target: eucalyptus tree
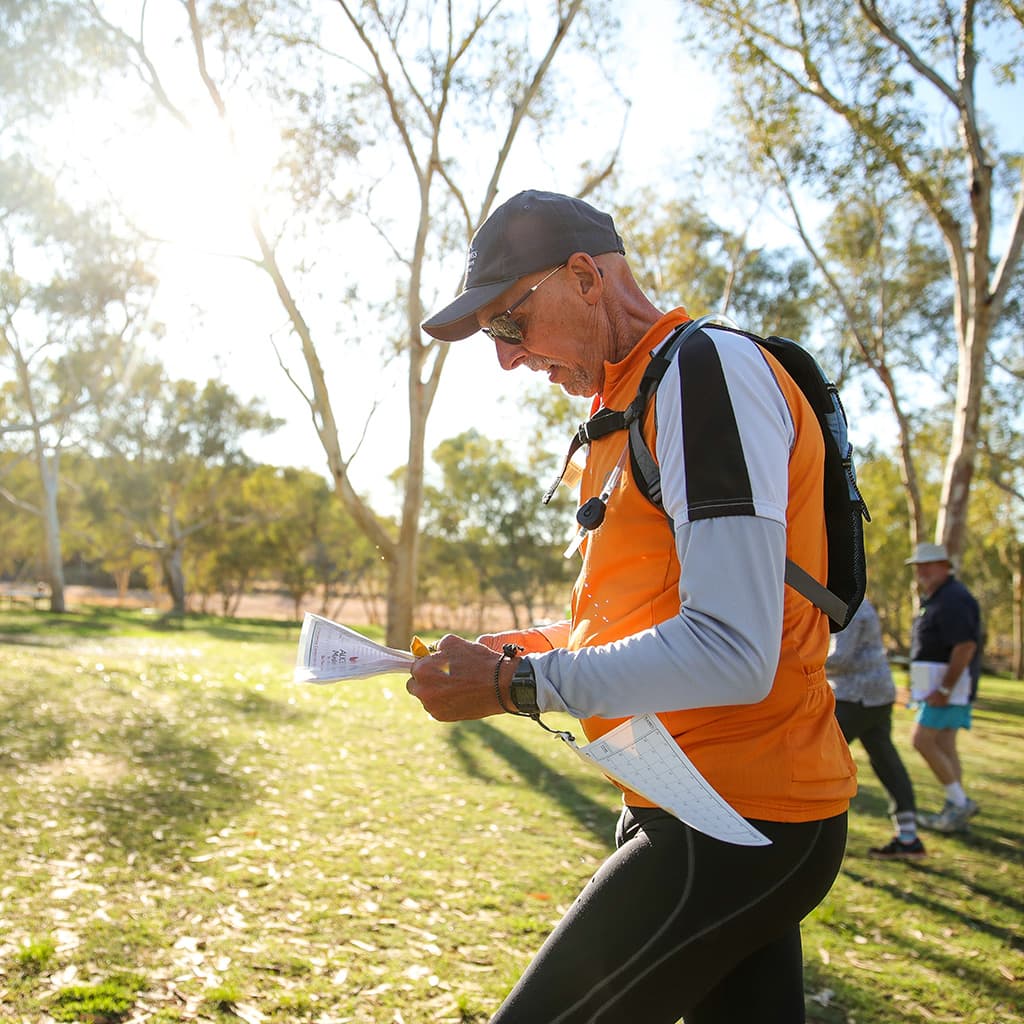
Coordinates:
[891,321]
[282,528]
[21,544]
[171,451]
[827,96]
[684,257]
[398,121]
[73,298]
[1003,467]
[487,506]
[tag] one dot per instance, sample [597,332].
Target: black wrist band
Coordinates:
[508,652]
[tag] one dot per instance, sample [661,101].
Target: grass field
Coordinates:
[185,834]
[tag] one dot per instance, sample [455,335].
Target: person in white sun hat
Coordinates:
[945,652]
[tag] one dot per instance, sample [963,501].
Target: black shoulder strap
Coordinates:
[647,477]
[646,473]
[608,421]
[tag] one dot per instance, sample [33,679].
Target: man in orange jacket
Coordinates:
[685,617]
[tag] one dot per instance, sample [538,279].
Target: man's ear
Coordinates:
[589,277]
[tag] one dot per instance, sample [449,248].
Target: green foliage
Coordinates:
[104,1003]
[221,997]
[487,529]
[34,957]
[40,56]
[886,546]
[684,258]
[882,132]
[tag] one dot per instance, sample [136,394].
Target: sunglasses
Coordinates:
[503,327]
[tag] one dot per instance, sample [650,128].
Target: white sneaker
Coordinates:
[951,818]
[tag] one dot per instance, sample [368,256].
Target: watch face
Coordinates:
[524,688]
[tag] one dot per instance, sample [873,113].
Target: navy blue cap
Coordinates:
[530,232]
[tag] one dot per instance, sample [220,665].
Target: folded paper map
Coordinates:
[641,755]
[329,652]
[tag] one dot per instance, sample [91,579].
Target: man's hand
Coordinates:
[457,683]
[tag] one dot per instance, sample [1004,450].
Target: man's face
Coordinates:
[930,576]
[559,333]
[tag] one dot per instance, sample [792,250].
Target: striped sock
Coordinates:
[905,823]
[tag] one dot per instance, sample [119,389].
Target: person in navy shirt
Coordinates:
[946,632]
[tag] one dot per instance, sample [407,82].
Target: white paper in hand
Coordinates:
[329,652]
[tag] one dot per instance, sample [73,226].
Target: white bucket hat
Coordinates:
[926,552]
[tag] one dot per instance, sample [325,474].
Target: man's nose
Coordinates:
[509,356]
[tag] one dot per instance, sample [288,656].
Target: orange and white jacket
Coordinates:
[695,624]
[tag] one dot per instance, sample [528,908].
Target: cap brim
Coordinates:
[458,319]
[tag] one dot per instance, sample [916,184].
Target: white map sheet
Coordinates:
[329,652]
[926,677]
[641,755]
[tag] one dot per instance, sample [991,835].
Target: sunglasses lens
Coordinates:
[505,328]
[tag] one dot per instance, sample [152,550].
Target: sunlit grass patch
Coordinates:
[174,808]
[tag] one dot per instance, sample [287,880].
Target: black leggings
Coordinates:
[678,925]
[873,727]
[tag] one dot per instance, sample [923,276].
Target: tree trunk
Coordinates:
[172,558]
[48,475]
[956,485]
[1018,617]
[401,598]
[175,576]
[122,577]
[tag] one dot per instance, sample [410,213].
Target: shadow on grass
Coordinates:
[47,628]
[837,1001]
[991,704]
[31,733]
[184,789]
[251,630]
[870,803]
[257,705]
[846,1001]
[925,896]
[540,776]
[135,779]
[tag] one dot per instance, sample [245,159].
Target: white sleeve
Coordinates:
[723,449]
[722,648]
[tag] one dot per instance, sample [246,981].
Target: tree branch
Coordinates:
[869,8]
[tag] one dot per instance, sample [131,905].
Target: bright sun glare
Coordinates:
[191,186]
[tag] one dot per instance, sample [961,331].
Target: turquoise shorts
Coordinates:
[952,716]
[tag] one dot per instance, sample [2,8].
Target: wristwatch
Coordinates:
[524,689]
[945,690]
